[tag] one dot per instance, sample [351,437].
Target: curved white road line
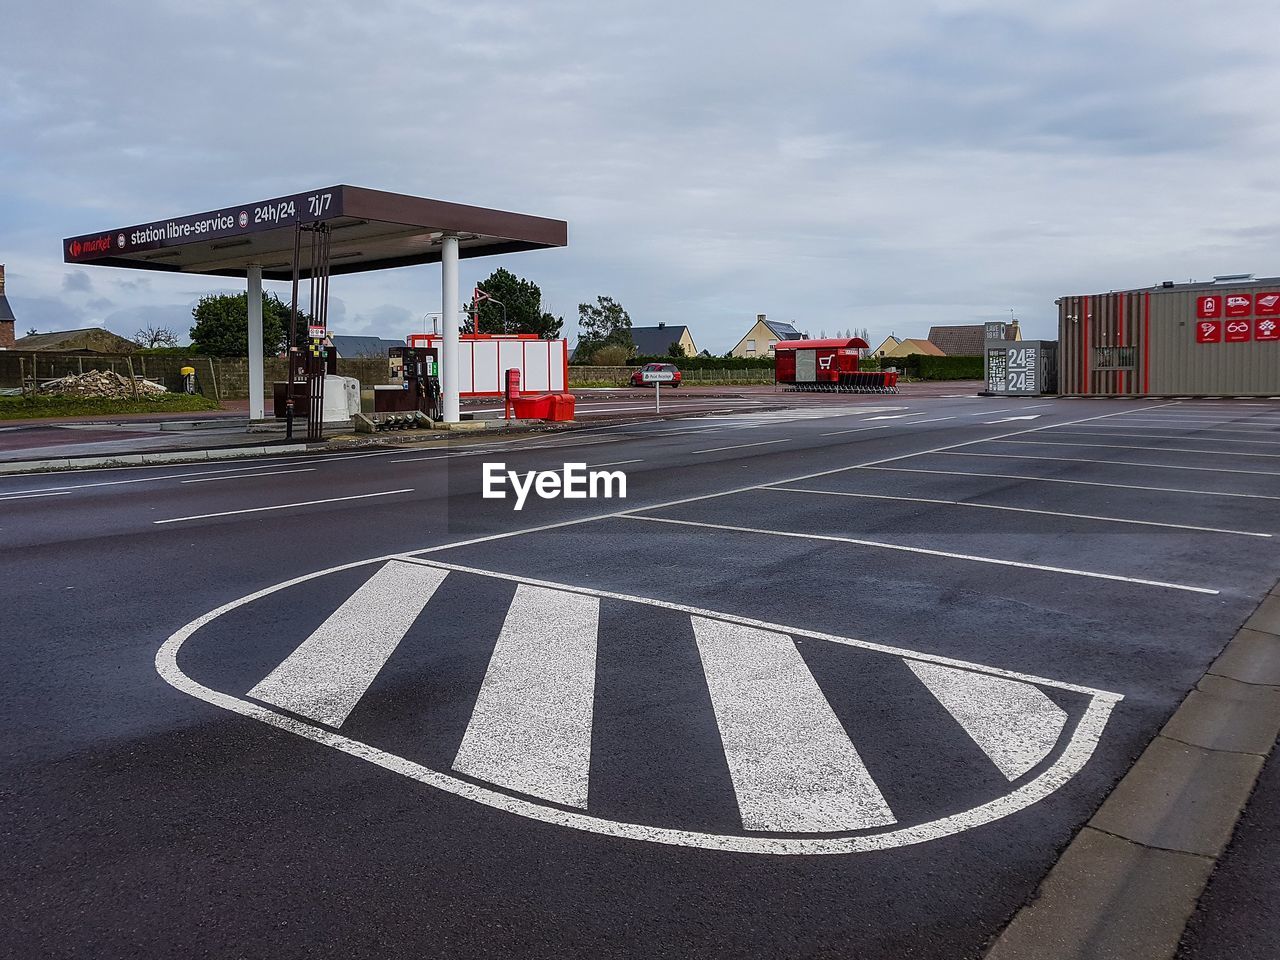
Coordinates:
[1084,739]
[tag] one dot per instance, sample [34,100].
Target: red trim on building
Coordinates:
[1084,348]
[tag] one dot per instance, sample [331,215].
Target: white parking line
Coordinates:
[615,463]
[1134,446]
[739,446]
[284,506]
[1116,463]
[249,476]
[916,423]
[1192,433]
[1204,424]
[992,506]
[946,554]
[1159,436]
[1081,483]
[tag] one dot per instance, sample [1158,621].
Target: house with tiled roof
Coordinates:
[763,336]
[966,339]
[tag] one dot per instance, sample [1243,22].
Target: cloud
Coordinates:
[841,163]
[77,282]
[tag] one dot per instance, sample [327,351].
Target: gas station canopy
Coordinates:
[369,230]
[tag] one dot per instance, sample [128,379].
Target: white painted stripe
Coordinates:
[1114,463]
[285,506]
[1014,723]
[1192,433]
[28,496]
[987,413]
[739,446]
[992,506]
[837,433]
[1082,483]
[792,764]
[947,554]
[1160,436]
[1133,446]
[325,677]
[1234,425]
[916,423]
[613,463]
[530,730]
[249,476]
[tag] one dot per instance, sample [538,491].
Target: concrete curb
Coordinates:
[143,459]
[1126,886]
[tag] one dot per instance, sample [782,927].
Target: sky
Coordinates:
[836,165]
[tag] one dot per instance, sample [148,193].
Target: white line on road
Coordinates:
[285,506]
[916,423]
[28,496]
[739,446]
[249,476]
[1134,446]
[530,730]
[1082,483]
[614,463]
[792,765]
[1193,433]
[1114,463]
[1013,723]
[837,433]
[328,673]
[946,554]
[992,506]
[1160,436]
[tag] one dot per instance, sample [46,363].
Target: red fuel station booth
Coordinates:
[829,366]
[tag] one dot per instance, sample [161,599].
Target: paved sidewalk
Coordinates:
[1239,914]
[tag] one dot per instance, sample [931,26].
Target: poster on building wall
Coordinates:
[1209,331]
[1268,305]
[1239,305]
[1022,369]
[1208,308]
[1266,328]
[997,369]
[1238,331]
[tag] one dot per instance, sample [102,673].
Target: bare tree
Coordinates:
[152,336]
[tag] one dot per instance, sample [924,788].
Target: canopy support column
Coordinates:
[449,329]
[257,377]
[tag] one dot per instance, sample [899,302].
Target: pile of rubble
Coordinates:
[104,384]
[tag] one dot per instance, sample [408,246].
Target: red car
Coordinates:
[637,378]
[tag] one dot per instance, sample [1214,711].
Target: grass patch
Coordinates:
[22,408]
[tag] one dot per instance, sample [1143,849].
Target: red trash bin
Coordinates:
[562,405]
[533,408]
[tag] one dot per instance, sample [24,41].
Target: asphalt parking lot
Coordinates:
[841,679]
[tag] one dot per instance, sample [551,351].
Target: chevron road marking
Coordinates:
[794,770]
